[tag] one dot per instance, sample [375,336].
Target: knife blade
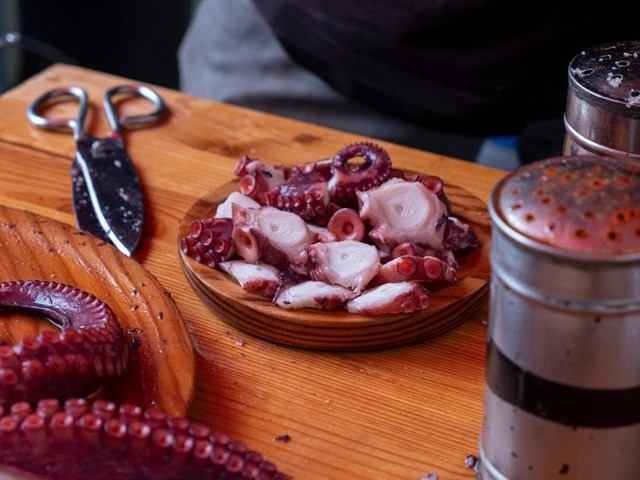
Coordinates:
[82,208]
[107,194]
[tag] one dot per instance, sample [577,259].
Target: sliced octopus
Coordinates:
[339,228]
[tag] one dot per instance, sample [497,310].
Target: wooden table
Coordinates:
[397,413]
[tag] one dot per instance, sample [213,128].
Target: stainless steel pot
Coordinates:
[562,391]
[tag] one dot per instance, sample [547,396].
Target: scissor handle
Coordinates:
[132,121]
[60,95]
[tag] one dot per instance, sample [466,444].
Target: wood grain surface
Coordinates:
[398,413]
[450,305]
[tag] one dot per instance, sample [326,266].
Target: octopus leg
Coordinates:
[348,179]
[312,294]
[401,297]
[403,212]
[257,232]
[104,441]
[459,235]
[259,278]
[305,195]
[414,268]
[89,349]
[209,241]
[433,183]
[348,263]
[257,178]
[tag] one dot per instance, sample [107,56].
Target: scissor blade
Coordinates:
[114,190]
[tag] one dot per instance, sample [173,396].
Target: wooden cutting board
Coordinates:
[162,365]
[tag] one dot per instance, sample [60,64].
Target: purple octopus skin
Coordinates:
[209,241]
[89,349]
[103,441]
[306,195]
[348,179]
[414,268]
[316,190]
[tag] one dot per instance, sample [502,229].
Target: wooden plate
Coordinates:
[340,330]
[162,367]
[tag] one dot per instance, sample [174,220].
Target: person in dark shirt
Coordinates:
[440,75]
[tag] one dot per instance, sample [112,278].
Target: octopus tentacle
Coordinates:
[224,209]
[313,294]
[319,167]
[209,241]
[403,212]
[400,297]
[348,179]
[89,349]
[276,237]
[305,194]
[244,165]
[257,178]
[348,263]
[258,277]
[124,442]
[416,268]
[433,183]
[459,235]
[253,246]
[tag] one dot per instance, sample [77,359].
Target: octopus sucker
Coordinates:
[257,178]
[209,240]
[89,349]
[100,440]
[304,195]
[414,268]
[346,224]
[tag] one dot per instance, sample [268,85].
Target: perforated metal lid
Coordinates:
[609,76]
[602,114]
[578,203]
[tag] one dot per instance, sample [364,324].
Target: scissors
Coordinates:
[107,198]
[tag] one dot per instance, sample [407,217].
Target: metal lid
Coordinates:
[603,99]
[609,76]
[587,204]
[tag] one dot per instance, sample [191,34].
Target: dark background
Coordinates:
[137,39]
